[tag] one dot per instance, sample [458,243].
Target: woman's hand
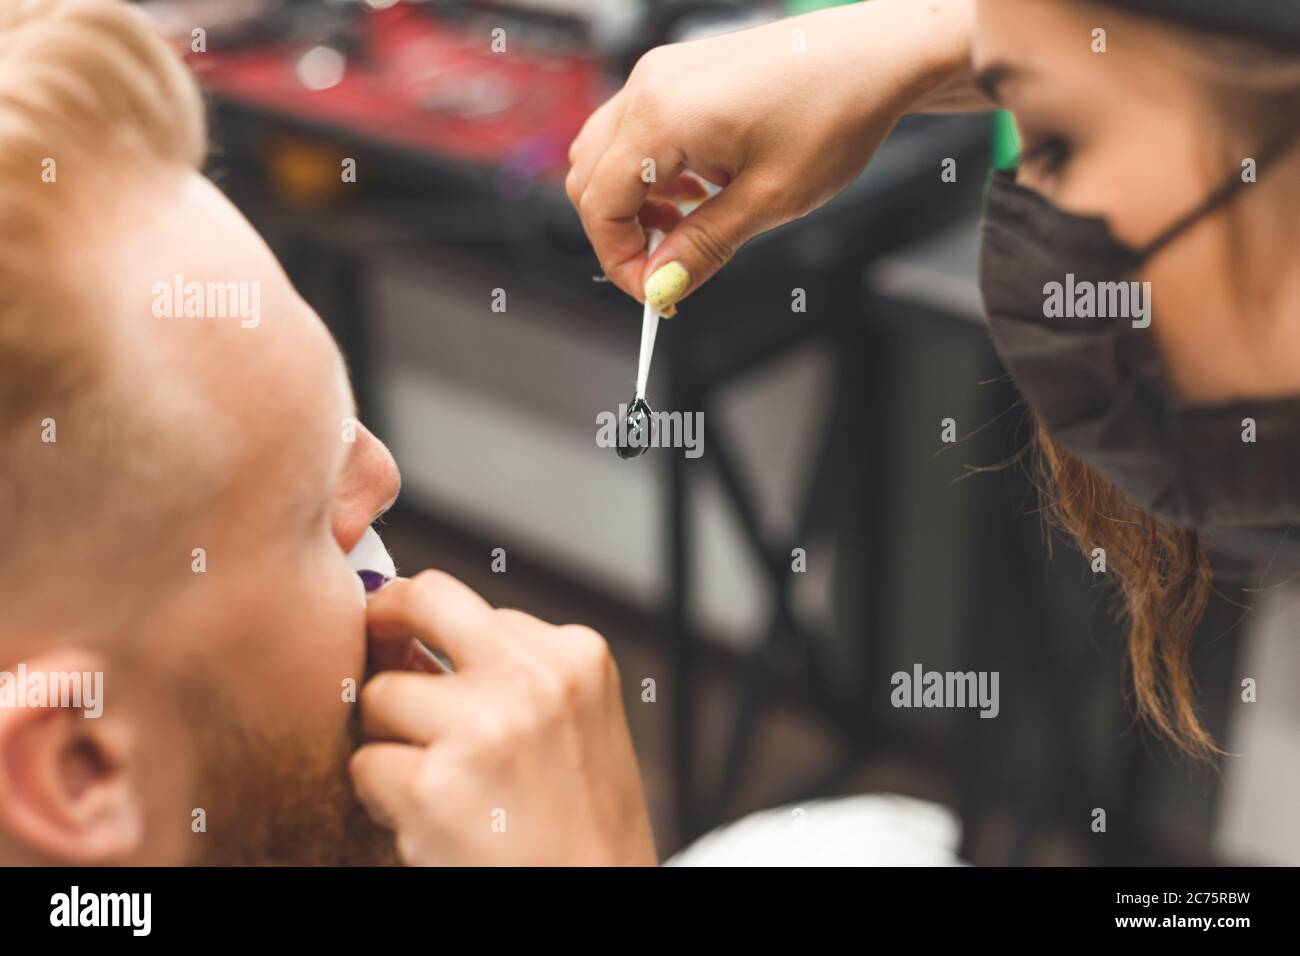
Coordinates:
[522,756]
[784,116]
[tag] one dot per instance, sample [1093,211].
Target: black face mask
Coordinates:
[1096,379]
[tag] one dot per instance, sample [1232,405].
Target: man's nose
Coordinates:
[366,489]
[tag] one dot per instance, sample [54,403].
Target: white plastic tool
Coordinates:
[374,568]
[370,557]
[649,327]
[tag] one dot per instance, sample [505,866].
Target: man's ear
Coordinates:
[67,792]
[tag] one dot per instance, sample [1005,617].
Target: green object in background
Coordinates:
[1006,141]
[795,7]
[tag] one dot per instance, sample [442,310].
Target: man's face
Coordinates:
[255,645]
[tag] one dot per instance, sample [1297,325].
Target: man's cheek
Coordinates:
[348,634]
[326,633]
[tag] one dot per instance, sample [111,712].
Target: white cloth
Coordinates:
[866,830]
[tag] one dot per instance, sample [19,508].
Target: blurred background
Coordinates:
[405,160]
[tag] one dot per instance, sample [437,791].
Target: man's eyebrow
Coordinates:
[992,78]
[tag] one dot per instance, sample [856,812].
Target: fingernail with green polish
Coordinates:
[666,285]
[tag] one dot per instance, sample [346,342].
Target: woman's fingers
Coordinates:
[612,198]
[626,172]
[704,241]
[659,214]
[770,114]
[591,142]
[686,190]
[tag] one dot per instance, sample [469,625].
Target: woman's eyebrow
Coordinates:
[992,78]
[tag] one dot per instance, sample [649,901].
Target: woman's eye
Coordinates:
[1047,155]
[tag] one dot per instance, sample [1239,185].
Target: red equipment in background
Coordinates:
[416,81]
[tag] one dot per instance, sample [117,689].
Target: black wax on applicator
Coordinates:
[634,436]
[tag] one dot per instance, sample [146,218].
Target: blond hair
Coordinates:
[90,96]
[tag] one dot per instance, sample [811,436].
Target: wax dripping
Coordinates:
[634,435]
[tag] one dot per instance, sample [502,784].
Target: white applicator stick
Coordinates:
[649,326]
